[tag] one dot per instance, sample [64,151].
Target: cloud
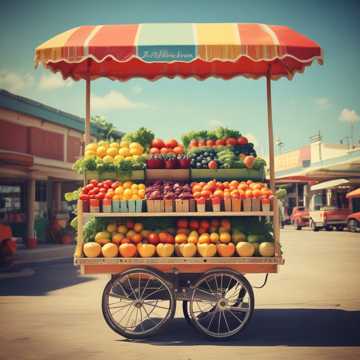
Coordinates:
[213,124]
[323,102]
[349,116]
[53,81]
[114,100]
[15,82]
[137,89]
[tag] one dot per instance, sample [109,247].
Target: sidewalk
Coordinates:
[44,253]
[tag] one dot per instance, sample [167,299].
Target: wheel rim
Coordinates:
[221,304]
[138,303]
[352,225]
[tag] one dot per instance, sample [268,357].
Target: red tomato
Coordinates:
[157,143]
[163,237]
[94,182]
[84,197]
[212,164]
[108,183]
[182,223]
[171,143]
[89,187]
[201,142]
[205,224]
[231,141]
[94,191]
[100,196]
[115,184]
[109,195]
[170,239]
[178,150]
[164,150]
[193,143]
[153,238]
[210,142]
[242,140]
[154,150]
[194,224]
[220,142]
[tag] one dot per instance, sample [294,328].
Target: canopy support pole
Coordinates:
[276,219]
[87,112]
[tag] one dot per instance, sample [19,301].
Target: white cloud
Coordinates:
[114,100]
[137,89]
[53,81]
[349,116]
[323,102]
[15,82]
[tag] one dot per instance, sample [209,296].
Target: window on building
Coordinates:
[41,191]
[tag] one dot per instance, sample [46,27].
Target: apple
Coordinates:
[225,250]
[127,250]
[165,250]
[267,249]
[207,250]
[153,238]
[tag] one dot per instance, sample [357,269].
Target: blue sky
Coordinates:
[311,102]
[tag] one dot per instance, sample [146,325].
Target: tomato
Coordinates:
[242,140]
[171,143]
[178,150]
[194,224]
[210,142]
[109,195]
[212,164]
[84,197]
[205,224]
[115,184]
[182,223]
[100,196]
[157,143]
[154,150]
[163,237]
[170,239]
[220,142]
[231,141]
[153,238]
[89,187]
[193,143]
[248,194]
[108,182]
[94,182]
[94,191]
[164,150]
[103,190]
[201,142]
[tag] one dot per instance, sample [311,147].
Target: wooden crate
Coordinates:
[135,175]
[182,175]
[227,174]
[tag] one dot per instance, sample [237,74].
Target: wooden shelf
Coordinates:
[181,214]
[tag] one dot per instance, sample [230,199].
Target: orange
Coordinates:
[214,237]
[225,237]
[138,227]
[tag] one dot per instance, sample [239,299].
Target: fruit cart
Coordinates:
[140,298]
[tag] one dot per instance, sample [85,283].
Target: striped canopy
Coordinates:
[152,51]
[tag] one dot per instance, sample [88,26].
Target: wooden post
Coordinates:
[87,112]
[276,219]
[80,227]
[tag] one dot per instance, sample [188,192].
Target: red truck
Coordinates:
[299,217]
[328,218]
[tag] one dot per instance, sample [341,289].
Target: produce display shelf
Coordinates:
[180,264]
[180,214]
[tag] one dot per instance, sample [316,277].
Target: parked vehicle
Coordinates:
[353,222]
[329,218]
[299,217]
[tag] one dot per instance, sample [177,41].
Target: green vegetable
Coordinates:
[142,136]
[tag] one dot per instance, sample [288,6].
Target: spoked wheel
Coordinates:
[221,304]
[138,303]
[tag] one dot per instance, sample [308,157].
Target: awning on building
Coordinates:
[329,184]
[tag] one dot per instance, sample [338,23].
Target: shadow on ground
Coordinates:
[48,276]
[271,327]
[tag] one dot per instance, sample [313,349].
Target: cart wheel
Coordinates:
[138,303]
[222,303]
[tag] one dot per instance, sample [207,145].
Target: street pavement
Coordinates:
[310,310]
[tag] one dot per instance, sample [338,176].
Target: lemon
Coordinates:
[108,159]
[141,186]
[127,194]
[91,147]
[89,155]
[112,152]
[118,158]
[115,145]
[135,197]
[141,193]
[124,152]
[127,184]
[119,190]
[103,143]
[134,187]
[101,151]
[124,144]
[136,151]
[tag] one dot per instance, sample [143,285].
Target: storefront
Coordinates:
[38,146]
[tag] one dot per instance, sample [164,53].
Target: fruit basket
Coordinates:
[207,271]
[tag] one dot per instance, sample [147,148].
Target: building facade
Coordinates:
[38,146]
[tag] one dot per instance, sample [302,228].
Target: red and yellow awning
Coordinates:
[152,51]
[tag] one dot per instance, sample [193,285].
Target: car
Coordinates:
[328,218]
[353,222]
[299,217]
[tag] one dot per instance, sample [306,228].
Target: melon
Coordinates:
[267,249]
[245,249]
[92,249]
[110,250]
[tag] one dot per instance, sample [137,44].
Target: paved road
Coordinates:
[311,309]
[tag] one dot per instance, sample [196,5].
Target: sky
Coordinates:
[325,98]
